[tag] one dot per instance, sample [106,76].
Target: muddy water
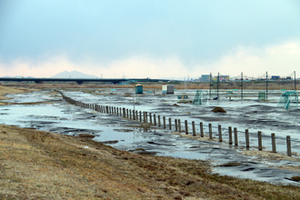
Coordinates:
[128,135]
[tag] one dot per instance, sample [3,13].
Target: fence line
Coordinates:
[143,117]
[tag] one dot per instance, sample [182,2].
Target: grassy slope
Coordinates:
[44,165]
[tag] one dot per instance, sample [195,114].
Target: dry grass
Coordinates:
[42,165]
[13,90]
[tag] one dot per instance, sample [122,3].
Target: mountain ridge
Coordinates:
[73,74]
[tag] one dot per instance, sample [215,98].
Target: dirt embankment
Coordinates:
[42,165]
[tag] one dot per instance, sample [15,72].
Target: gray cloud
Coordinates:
[193,31]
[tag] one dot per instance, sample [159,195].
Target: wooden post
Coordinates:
[124,113]
[210,131]
[176,128]
[146,117]
[106,109]
[186,127]
[136,115]
[259,140]
[220,133]
[154,118]
[133,114]
[130,114]
[170,124]
[236,142]
[247,139]
[288,144]
[273,143]
[179,125]
[158,120]
[201,130]
[150,117]
[230,135]
[164,121]
[127,116]
[140,116]
[193,126]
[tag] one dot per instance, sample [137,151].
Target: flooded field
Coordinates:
[129,135]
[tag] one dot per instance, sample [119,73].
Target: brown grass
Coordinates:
[13,90]
[42,165]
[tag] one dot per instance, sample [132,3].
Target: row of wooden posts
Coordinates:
[151,119]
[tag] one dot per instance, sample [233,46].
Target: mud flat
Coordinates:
[131,136]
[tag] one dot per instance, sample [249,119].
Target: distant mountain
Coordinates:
[73,74]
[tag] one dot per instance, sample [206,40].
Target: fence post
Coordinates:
[273,143]
[179,125]
[164,121]
[124,113]
[176,128]
[154,118]
[137,115]
[230,135]
[158,120]
[236,142]
[220,133]
[259,140]
[201,130]
[127,113]
[247,139]
[288,144]
[170,124]
[150,117]
[130,114]
[194,131]
[133,114]
[186,127]
[210,131]
[140,116]
[146,117]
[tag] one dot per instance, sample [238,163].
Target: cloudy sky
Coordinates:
[149,38]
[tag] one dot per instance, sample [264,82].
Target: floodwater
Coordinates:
[63,118]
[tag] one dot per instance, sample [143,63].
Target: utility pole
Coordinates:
[295,81]
[266,85]
[218,81]
[210,85]
[242,79]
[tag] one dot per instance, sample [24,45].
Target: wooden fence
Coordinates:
[159,121]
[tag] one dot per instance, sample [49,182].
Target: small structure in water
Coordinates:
[288,99]
[139,89]
[168,89]
[262,96]
[201,97]
[182,96]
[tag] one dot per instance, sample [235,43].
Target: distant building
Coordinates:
[205,78]
[222,78]
[168,89]
[275,77]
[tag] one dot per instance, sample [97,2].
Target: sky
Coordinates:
[149,38]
